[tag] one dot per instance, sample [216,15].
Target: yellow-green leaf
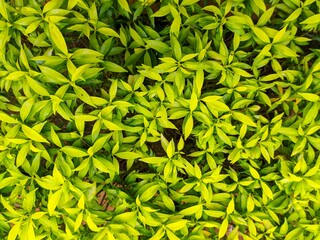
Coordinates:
[149,193]
[223,228]
[244,119]
[53,201]
[74,152]
[33,134]
[58,39]
[261,34]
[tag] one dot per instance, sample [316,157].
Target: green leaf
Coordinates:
[54,75]
[78,221]
[169,92]
[193,101]
[124,217]
[168,203]
[103,165]
[83,95]
[7,182]
[176,48]
[124,5]
[159,234]
[170,150]
[136,37]
[128,155]
[315,19]
[55,138]
[294,234]
[113,67]
[241,72]
[154,160]
[265,17]
[294,15]
[112,126]
[283,50]
[163,11]
[265,153]
[92,226]
[223,137]
[310,97]
[279,35]
[171,235]
[3,10]
[250,203]
[22,155]
[149,193]
[273,216]
[37,87]
[223,228]
[32,134]
[261,34]
[191,210]
[266,190]
[230,208]
[150,73]
[53,201]
[175,26]
[51,5]
[214,213]
[188,2]
[58,39]
[188,126]
[6,118]
[284,228]
[74,152]
[159,46]
[244,119]
[254,173]
[109,32]
[15,230]
[26,108]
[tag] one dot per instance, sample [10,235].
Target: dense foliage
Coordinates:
[159,119]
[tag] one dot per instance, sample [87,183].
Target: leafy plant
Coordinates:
[159,119]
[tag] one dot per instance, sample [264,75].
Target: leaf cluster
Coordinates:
[159,119]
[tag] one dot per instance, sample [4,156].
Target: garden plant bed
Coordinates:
[159,119]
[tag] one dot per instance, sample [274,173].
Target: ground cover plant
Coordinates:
[159,119]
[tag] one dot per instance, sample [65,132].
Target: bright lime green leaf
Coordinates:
[149,193]
[124,5]
[223,228]
[163,11]
[58,39]
[16,229]
[109,32]
[113,67]
[266,190]
[159,46]
[53,201]
[33,134]
[128,155]
[191,210]
[254,173]
[92,226]
[74,152]
[310,97]
[124,217]
[294,15]
[22,155]
[231,206]
[188,126]
[315,19]
[243,118]
[261,34]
